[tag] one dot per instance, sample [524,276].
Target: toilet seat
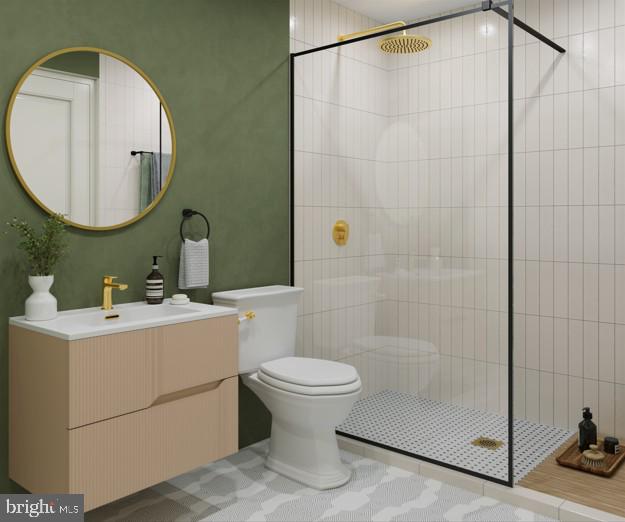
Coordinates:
[306,376]
[305,371]
[298,389]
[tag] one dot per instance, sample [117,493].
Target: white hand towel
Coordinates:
[193,272]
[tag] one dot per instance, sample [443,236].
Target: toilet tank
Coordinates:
[271,333]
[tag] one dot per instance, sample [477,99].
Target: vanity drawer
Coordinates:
[111,375]
[122,373]
[117,457]
[195,353]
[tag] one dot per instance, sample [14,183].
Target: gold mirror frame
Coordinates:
[7,133]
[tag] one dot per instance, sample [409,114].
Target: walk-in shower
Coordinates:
[414,153]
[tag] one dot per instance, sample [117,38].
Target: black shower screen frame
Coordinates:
[508,13]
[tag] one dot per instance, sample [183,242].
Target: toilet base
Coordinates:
[312,480]
[307,456]
[303,444]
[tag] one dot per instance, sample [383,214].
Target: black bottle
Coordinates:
[154,285]
[587,431]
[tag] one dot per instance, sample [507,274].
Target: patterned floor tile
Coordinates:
[240,488]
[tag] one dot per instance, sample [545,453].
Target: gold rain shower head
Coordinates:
[394,44]
[405,44]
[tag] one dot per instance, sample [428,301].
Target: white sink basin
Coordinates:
[92,322]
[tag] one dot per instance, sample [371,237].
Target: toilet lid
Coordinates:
[318,391]
[304,371]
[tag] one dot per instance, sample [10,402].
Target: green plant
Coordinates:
[43,250]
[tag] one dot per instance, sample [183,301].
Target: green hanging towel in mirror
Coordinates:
[145,181]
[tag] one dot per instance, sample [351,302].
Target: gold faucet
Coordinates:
[107,291]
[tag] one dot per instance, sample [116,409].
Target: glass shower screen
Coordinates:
[400,213]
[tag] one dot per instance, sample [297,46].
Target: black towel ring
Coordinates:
[187,213]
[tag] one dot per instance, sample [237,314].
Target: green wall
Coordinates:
[222,67]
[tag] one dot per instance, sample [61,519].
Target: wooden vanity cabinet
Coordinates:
[108,416]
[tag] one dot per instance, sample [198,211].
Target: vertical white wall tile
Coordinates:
[561,18]
[560,121]
[577,131]
[447,197]
[561,233]
[606,234]
[591,15]
[619,294]
[606,351]
[606,57]
[591,292]
[606,14]
[591,117]
[619,54]
[576,16]
[607,407]
[619,354]
[561,290]
[576,291]
[547,406]
[591,350]
[619,105]
[576,401]
[607,186]
[619,12]
[576,233]
[561,346]
[591,234]
[591,60]
[547,344]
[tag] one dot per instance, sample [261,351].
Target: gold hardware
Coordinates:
[372,30]
[486,443]
[114,316]
[340,232]
[7,134]
[247,316]
[107,292]
[405,44]
[394,44]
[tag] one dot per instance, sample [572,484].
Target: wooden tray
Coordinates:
[572,458]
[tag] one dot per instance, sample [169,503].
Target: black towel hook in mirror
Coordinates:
[188,213]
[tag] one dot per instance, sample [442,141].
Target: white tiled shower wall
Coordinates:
[342,107]
[421,177]
[449,113]
[570,218]
[128,120]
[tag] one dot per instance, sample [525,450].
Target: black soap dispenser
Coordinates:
[155,284]
[587,431]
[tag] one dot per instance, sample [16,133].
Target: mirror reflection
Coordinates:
[91,139]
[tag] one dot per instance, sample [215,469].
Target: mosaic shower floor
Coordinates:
[240,488]
[444,432]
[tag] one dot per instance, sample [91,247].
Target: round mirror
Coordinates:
[90,137]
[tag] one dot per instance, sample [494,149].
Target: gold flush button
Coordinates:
[340,232]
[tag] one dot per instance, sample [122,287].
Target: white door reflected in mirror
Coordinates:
[90,138]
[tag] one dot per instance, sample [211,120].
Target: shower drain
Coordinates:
[485,442]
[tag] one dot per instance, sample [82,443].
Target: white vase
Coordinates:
[41,305]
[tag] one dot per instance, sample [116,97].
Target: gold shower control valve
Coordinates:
[340,232]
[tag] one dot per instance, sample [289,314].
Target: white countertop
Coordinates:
[72,325]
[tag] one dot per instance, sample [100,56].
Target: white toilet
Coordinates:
[307,398]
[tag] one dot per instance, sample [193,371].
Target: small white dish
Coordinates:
[179,299]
